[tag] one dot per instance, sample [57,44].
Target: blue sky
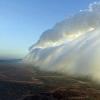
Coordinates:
[23,21]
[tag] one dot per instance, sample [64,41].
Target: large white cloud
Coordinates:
[71,46]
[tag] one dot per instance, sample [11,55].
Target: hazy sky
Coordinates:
[23,21]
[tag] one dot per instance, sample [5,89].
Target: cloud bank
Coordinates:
[71,46]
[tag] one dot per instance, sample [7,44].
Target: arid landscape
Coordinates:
[23,82]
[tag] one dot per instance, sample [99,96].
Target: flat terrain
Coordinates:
[18,82]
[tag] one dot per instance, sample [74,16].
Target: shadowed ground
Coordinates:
[23,82]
